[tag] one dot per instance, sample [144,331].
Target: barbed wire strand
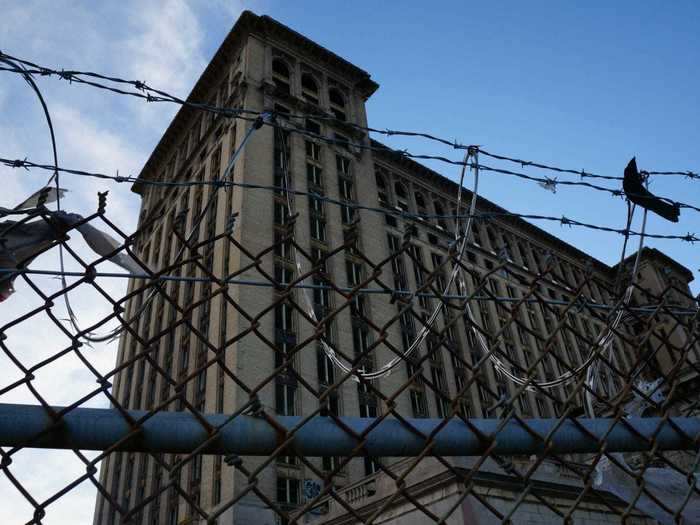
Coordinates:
[145,352]
[246,114]
[584,304]
[602,342]
[143,90]
[481,215]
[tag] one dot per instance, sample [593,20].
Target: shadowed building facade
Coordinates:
[262,335]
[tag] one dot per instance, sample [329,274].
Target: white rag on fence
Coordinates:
[22,242]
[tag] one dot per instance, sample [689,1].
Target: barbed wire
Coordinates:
[481,215]
[163,321]
[144,92]
[583,304]
[143,87]
[582,173]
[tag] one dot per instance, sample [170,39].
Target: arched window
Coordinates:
[280,75]
[523,253]
[337,101]
[537,257]
[309,89]
[476,234]
[400,190]
[507,251]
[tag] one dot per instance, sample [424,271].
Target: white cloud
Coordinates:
[163,43]
[166,46]
[165,51]
[86,144]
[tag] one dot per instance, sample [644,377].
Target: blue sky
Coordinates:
[580,87]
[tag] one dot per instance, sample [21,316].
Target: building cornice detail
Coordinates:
[248,23]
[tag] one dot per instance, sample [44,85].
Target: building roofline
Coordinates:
[653,253]
[454,476]
[248,23]
[412,165]
[364,83]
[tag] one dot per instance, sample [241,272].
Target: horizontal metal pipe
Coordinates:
[181,432]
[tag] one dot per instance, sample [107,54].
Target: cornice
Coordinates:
[483,479]
[268,26]
[450,187]
[247,23]
[658,255]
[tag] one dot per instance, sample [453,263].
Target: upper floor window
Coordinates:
[313,150]
[314,175]
[400,190]
[493,239]
[343,165]
[382,190]
[381,181]
[536,256]
[326,373]
[309,89]
[315,205]
[318,228]
[506,250]
[285,399]
[440,213]
[222,93]
[337,102]
[420,203]
[345,186]
[401,196]
[280,75]
[284,314]
[523,253]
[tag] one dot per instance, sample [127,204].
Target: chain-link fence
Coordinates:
[564,406]
[291,377]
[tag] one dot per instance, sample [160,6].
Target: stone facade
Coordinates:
[262,65]
[441,493]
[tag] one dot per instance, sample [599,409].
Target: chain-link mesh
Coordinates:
[401,365]
[189,329]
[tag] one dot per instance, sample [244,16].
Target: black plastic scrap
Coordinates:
[638,194]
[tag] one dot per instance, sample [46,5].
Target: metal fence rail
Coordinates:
[182,433]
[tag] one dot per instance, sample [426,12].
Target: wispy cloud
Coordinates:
[166,46]
[86,142]
[165,43]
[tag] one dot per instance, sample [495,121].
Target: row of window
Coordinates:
[394,194]
[153,253]
[223,96]
[308,88]
[286,387]
[543,322]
